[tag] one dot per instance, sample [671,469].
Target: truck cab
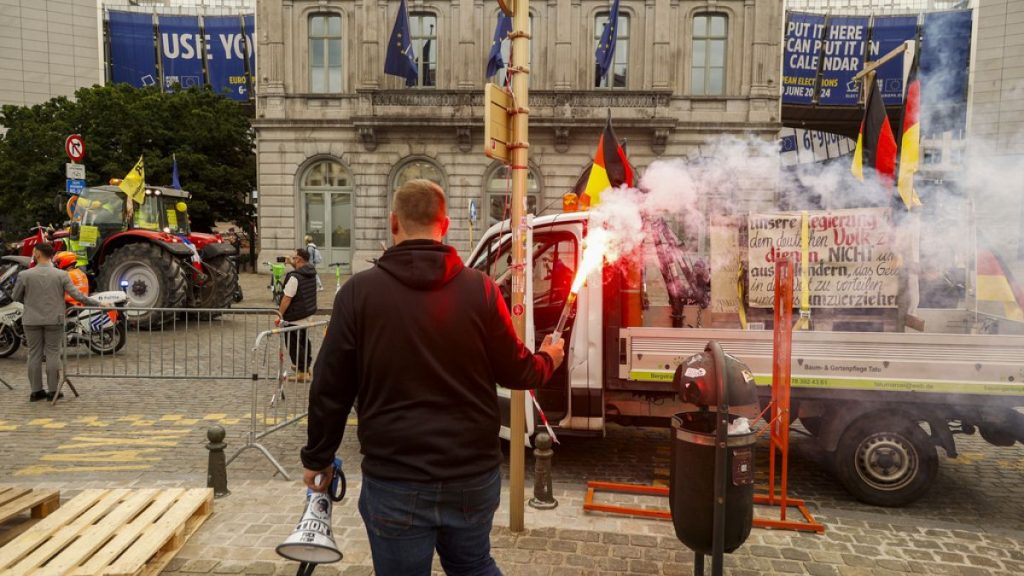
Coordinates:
[574,399]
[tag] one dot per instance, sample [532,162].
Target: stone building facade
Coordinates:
[335,135]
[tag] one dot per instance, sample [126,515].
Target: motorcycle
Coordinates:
[101,331]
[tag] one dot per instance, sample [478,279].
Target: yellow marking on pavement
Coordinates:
[8,428]
[230,420]
[103,456]
[130,418]
[186,422]
[1004,463]
[40,469]
[55,425]
[143,422]
[92,442]
[968,458]
[86,419]
[218,416]
[170,417]
[352,422]
[40,421]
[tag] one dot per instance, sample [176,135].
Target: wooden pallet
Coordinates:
[122,532]
[15,500]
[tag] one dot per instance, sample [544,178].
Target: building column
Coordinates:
[370,65]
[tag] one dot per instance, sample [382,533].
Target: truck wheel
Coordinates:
[155,279]
[886,461]
[9,341]
[221,285]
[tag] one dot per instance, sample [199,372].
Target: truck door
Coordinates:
[494,258]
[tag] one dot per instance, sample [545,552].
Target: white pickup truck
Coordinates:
[881,403]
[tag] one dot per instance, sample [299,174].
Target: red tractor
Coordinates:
[148,251]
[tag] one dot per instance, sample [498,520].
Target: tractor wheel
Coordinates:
[153,279]
[222,283]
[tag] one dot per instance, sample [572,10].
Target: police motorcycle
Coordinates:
[103,332]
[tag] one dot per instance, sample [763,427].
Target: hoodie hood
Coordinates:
[421,264]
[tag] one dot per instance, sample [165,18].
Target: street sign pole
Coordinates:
[520,168]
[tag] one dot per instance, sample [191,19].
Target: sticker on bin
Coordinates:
[695,372]
[742,467]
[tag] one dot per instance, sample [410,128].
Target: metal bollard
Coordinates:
[542,453]
[216,469]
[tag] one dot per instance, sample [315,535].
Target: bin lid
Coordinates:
[695,382]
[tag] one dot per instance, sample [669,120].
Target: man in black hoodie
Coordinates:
[420,341]
[298,303]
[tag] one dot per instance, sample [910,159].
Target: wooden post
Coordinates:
[520,168]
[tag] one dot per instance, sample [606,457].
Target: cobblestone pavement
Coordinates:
[140,432]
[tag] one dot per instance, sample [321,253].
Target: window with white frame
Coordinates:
[424,42]
[617,74]
[707,72]
[501,77]
[325,53]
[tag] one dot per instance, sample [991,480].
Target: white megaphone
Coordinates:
[312,542]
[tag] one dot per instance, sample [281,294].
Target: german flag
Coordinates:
[996,285]
[610,169]
[910,143]
[876,146]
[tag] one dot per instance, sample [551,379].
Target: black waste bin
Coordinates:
[692,482]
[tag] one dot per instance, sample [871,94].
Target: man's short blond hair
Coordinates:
[420,204]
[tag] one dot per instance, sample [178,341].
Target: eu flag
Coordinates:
[401,58]
[501,31]
[175,179]
[605,53]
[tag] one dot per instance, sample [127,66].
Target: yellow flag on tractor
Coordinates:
[134,183]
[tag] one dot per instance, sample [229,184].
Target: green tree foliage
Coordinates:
[211,136]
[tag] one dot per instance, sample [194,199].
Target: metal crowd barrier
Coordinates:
[280,389]
[171,343]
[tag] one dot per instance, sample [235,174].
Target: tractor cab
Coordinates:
[102,210]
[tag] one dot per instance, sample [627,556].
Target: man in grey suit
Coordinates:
[41,289]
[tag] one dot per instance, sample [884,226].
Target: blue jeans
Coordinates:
[407,521]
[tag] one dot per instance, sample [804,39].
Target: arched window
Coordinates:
[326,190]
[419,168]
[497,194]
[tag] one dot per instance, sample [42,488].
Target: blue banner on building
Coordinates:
[232,55]
[887,34]
[842,57]
[800,64]
[132,54]
[181,51]
[840,53]
[182,44]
